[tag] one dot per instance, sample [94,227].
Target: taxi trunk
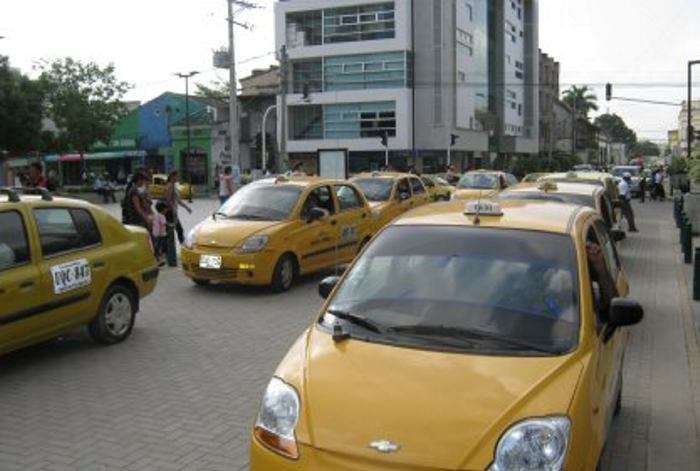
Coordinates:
[444,410]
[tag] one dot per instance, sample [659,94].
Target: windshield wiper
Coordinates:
[462,333]
[356,320]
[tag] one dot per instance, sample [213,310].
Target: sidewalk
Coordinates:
[659,424]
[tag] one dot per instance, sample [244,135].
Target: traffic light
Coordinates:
[385,140]
[453,139]
[608,91]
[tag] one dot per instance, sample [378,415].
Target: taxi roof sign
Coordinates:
[483,208]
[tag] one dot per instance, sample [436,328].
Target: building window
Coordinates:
[359,23]
[518,75]
[370,71]
[305,122]
[304,29]
[307,74]
[360,120]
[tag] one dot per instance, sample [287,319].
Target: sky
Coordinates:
[641,46]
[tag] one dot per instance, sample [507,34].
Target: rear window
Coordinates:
[472,289]
[14,245]
[375,189]
[579,200]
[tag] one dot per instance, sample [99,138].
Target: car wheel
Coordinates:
[115,319]
[201,282]
[284,274]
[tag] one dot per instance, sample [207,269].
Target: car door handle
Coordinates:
[26,284]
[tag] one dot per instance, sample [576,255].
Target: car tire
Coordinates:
[115,318]
[284,274]
[201,282]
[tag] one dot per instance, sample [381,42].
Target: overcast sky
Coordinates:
[641,46]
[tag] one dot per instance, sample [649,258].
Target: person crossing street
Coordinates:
[625,188]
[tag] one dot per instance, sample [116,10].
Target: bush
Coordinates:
[678,165]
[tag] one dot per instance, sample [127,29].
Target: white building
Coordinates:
[415,70]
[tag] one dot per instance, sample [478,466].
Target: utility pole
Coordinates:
[689,133]
[263,133]
[187,78]
[284,84]
[234,123]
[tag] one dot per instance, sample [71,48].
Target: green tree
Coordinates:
[21,110]
[646,148]
[581,98]
[84,100]
[615,127]
[218,90]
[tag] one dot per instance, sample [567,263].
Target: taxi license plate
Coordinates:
[210,262]
[71,276]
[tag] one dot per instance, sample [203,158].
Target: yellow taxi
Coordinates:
[159,182]
[469,336]
[480,184]
[273,230]
[588,195]
[438,188]
[605,180]
[64,264]
[391,194]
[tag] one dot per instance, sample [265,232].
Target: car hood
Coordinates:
[472,194]
[444,410]
[229,233]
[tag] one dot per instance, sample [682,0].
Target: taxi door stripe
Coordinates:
[330,249]
[41,309]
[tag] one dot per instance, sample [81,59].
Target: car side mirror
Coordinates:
[618,235]
[315,214]
[327,285]
[625,312]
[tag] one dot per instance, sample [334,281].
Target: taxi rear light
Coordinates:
[284,446]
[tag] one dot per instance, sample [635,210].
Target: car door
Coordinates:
[609,345]
[318,238]
[354,223]
[73,269]
[22,302]
[420,194]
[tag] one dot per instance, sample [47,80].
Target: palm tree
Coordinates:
[582,98]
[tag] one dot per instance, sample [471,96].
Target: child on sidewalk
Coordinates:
[159,231]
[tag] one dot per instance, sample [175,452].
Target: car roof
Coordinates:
[387,175]
[569,188]
[544,216]
[300,181]
[37,201]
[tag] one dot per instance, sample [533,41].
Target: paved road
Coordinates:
[183,391]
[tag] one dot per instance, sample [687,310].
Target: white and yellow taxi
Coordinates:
[480,184]
[273,230]
[391,194]
[464,337]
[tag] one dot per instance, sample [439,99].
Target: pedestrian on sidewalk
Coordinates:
[226,185]
[642,187]
[135,209]
[159,232]
[173,201]
[625,188]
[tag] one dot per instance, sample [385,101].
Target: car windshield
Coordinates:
[493,292]
[620,171]
[579,200]
[375,189]
[441,181]
[478,181]
[262,202]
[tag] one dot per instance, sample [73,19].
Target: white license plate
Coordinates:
[210,262]
[71,276]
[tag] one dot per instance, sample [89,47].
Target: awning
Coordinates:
[129,154]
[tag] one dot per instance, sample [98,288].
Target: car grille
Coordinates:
[222,274]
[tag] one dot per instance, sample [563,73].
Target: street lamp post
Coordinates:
[187,78]
[263,133]
[689,132]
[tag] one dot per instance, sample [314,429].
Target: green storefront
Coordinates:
[195,166]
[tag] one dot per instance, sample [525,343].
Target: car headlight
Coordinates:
[539,444]
[278,418]
[192,237]
[254,244]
